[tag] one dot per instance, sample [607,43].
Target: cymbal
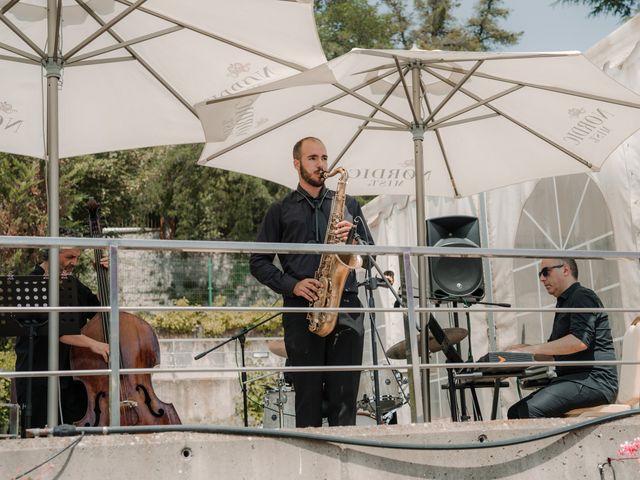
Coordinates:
[454,335]
[277,347]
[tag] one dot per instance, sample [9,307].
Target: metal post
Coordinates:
[418,137]
[53,76]
[114,340]
[210,279]
[416,403]
[488,276]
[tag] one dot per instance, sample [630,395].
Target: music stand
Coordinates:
[33,291]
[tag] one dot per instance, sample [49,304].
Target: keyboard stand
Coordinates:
[454,357]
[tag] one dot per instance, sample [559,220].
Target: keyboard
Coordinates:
[505,357]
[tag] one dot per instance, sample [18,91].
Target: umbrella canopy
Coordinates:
[130,71]
[416,122]
[484,120]
[86,76]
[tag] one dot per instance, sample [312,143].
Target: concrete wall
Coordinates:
[209,397]
[205,456]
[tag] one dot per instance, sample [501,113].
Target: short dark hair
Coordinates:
[297,148]
[573,266]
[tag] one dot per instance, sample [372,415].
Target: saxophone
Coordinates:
[334,269]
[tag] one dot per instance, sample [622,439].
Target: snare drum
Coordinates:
[279,408]
[391,394]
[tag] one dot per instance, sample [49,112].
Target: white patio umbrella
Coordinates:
[86,76]
[434,122]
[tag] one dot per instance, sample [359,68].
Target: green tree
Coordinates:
[483,29]
[347,24]
[620,8]
[23,207]
[208,203]
[431,24]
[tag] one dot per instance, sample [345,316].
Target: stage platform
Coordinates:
[189,455]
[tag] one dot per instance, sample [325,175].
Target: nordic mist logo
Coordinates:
[236,69]
[246,77]
[588,126]
[9,121]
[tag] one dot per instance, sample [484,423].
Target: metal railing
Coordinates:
[410,312]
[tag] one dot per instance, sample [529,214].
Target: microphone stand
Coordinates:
[241,337]
[370,284]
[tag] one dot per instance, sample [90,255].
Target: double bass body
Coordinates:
[139,404]
[139,348]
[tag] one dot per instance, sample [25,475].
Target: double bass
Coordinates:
[139,348]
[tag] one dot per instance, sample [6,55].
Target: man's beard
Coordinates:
[307,177]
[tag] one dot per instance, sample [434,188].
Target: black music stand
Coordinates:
[33,291]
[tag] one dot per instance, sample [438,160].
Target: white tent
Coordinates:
[596,211]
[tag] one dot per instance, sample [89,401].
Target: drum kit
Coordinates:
[279,401]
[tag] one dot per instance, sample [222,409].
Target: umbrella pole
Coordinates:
[418,138]
[53,77]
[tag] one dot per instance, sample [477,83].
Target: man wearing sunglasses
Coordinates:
[583,336]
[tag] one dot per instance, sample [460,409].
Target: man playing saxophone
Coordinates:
[303,216]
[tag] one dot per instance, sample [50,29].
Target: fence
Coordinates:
[411,311]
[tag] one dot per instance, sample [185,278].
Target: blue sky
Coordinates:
[549,26]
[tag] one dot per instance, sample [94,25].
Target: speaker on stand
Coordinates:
[455,279]
[455,276]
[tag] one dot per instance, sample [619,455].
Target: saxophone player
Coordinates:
[303,216]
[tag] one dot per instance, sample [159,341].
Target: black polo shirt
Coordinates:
[299,218]
[593,330]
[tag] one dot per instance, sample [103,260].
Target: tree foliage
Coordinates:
[619,8]
[427,24]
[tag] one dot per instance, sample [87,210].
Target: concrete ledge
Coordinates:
[574,455]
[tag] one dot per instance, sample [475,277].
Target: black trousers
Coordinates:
[73,401]
[556,399]
[335,391]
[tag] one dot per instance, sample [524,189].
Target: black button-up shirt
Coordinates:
[299,218]
[593,330]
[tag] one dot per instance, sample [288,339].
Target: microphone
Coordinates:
[373,283]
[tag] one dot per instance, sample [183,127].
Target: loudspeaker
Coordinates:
[453,276]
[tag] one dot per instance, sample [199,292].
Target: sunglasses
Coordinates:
[547,270]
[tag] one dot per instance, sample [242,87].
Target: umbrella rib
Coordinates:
[105,27]
[391,66]
[436,126]
[141,61]
[8,6]
[441,144]
[355,115]
[289,119]
[452,92]
[564,91]
[516,122]
[22,36]
[475,105]
[19,60]
[20,52]
[361,128]
[414,114]
[387,129]
[257,135]
[357,96]
[101,61]
[118,46]
[281,61]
